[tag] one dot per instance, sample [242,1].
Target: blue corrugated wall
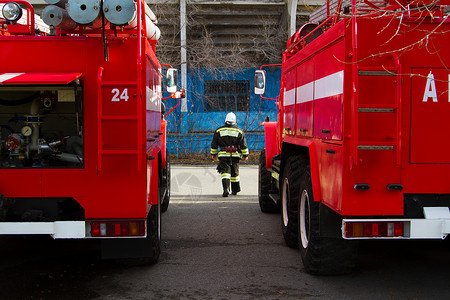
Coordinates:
[191,132]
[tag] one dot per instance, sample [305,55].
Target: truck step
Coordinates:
[274,197]
[375,110]
[375,147]
[276,164]
[368,145]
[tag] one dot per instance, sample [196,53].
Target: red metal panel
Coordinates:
[17,183]
[119,99]
[377,169]
[314,162]
[430,108]
[119,135]
[328,92]
[330,169]
[271,143]
[305,97]
[153,94]
[119,191]
[376,91]
[153,193]
[289,102]
[37,78]
[424,135]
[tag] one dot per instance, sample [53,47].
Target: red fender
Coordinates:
[163,143]
[313,161]
[271,142]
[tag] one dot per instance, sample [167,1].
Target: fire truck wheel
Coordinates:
[137,251]
[266,204]
[154,233]
[290,185]
[166,185]
[320,255]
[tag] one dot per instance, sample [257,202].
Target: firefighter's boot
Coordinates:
[226,187]
[235,187]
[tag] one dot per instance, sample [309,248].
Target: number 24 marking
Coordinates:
[123,95]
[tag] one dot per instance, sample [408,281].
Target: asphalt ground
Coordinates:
[218,248]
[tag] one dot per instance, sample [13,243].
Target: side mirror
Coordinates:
[260,82]
[172,80]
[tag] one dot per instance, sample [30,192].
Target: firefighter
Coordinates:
[233,146]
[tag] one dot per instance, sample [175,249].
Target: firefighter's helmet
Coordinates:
[230,119]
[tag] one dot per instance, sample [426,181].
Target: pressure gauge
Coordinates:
[27,131]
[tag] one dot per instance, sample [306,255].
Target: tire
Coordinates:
[320,255]
[137,251]
[290,185]
[266,204]
[154,233]
[166,185]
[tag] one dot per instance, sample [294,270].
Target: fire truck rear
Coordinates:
[82,150]
[360,148]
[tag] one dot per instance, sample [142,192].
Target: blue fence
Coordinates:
[191,131]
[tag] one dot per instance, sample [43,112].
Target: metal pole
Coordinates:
[183,53]
[292,10]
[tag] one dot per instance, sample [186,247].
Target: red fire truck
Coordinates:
[360,148]
[82,147]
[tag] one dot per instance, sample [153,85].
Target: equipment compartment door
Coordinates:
[305,99]
[329,92]
[289,102]
[430,110]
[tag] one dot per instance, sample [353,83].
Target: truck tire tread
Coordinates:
[166,184]
[292,172]
[323,256]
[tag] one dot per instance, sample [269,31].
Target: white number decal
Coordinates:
[115,98]
[123,95]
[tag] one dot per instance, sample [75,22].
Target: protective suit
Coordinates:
[229,145]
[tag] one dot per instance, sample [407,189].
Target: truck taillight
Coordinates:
[117,229]
[373,229]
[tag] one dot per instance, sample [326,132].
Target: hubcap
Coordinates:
[304,218]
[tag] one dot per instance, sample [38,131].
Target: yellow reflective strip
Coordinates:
[223,153]
[235,179]
[214,151]
[276,176]
[245,151]
[232,133]
[227,154]
[225,175]
[229,128]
